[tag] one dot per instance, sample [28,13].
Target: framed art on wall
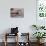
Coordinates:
[41,12]
[41,8]
[17,12]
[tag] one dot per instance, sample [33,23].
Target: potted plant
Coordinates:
[35,26]
[42,27]
[38,27]
[39,35]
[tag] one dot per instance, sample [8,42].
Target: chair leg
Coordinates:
[5,43]
[5,40]
[17,39]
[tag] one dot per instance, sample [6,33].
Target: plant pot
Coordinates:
[40,41]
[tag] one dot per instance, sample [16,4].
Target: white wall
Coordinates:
[23,23]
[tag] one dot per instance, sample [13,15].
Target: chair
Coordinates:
[26,37]
[14,32]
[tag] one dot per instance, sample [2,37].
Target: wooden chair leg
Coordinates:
[5,43]
[5,39]
[17,39]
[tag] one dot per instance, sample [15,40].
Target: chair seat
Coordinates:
[9,34]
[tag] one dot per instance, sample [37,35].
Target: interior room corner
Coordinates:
[22,22]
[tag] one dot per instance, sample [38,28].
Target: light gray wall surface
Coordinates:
[24,24]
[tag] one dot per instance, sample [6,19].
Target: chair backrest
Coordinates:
[14,30]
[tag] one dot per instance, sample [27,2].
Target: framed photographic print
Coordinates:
[41,8]
[41,12]
[17,12]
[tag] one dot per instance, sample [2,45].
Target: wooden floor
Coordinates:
[13,44]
